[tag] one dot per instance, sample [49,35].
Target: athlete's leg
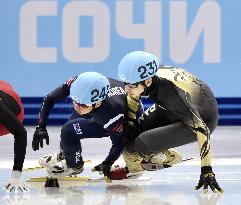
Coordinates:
[132,159]
[154,117]
[162,138]
[71,134]
[208,109]
[50,159]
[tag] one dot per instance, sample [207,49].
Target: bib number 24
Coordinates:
[98,94]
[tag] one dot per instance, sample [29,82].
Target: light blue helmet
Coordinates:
[137,66]
[89,88]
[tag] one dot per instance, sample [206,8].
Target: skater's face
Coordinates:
[134,89]
[137,89]
[82,109]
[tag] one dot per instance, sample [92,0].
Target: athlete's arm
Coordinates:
[116,149]
[41,133]
[9,120]
[178,102]
[59,93]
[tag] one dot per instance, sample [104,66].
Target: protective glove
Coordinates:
[207,178]
[39,135]
[16,183]
[130,132]
[103,169]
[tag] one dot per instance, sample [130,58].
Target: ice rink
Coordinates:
[172,186]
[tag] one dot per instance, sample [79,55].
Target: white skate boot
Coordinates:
[61,169]
[50,159]
[162,160]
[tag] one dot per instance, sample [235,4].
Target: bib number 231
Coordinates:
[147,70]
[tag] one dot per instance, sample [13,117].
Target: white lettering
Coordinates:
[77,157]
[182,38]
[101,31]
[77,129]
[207,21]
[29,14]
[150,30]
[116,91]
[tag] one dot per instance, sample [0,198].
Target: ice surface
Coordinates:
[172,186]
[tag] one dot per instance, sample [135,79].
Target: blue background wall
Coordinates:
[43,43]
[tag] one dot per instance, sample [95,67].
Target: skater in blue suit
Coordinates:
[100,105]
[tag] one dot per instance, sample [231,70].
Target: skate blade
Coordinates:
[148,166]
[30,169]
[60,179]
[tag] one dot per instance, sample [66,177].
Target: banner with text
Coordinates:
[45,42]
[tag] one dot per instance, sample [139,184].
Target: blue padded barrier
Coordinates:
[229,110]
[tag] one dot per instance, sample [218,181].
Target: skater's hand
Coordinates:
[207,178]
[16,183]
[129,131]
[39,135]
[103,169]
